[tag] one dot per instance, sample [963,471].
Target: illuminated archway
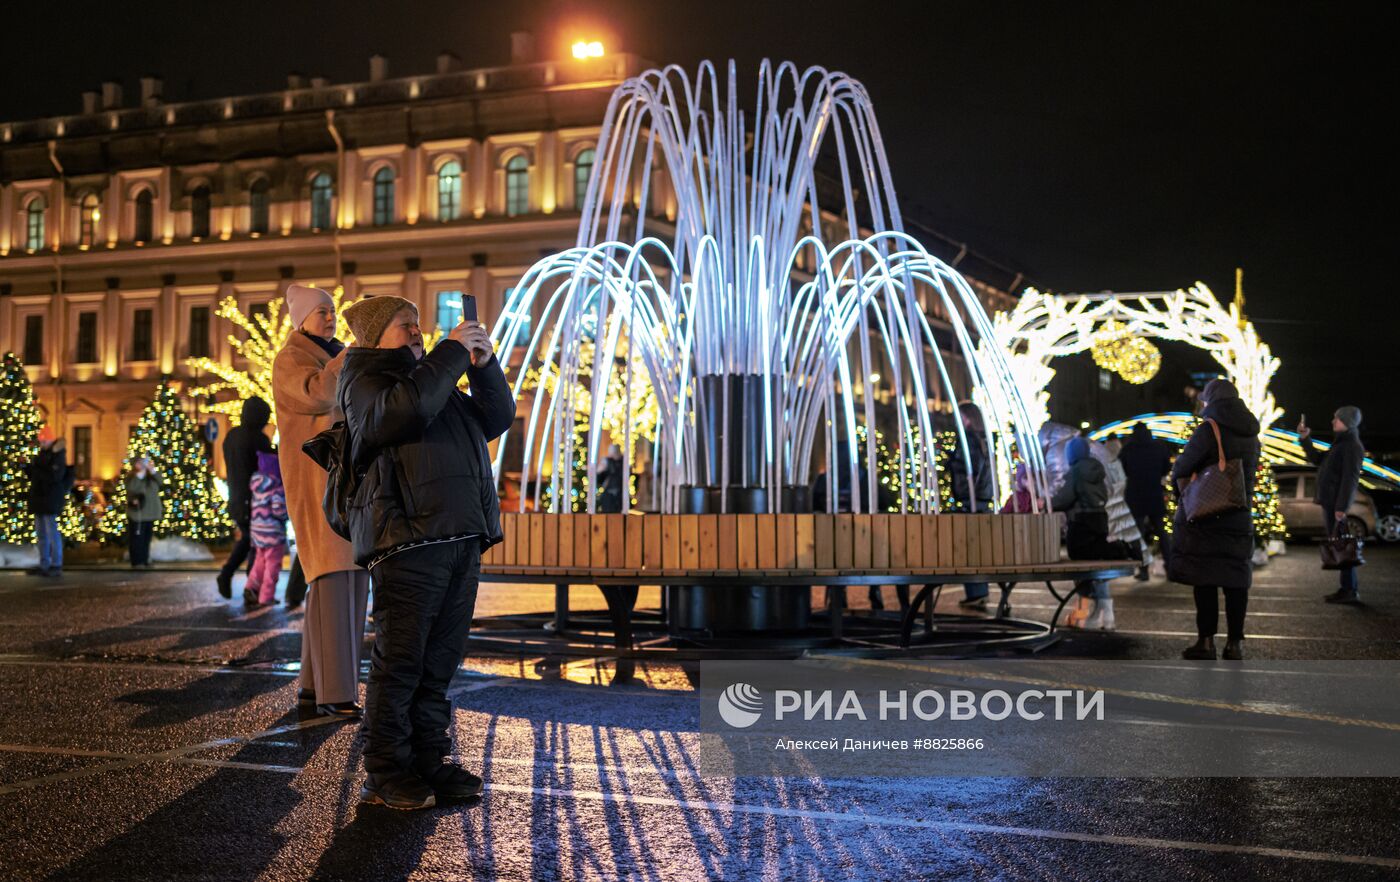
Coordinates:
[1044,327]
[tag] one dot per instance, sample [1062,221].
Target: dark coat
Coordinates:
[610,485]
[1085,489]
[1339,470]
[1217,551]
[981,484]
[242,445]
[1146,461]
[423,445]
[50,479]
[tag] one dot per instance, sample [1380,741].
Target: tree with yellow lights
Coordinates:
[19,432]
[640,420]
[264,334]
[1268,519]
[20,422]
[169,439]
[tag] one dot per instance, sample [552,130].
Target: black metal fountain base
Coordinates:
[866,634]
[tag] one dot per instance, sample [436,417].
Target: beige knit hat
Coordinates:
[370,316]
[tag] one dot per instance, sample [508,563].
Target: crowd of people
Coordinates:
[418,506]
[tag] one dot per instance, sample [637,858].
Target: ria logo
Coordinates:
[741,705]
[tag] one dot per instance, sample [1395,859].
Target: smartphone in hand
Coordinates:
[469,308]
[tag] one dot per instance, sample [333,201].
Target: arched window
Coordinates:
[449,190]
[34,223]
[384,196]
[583,170]
[199,212]
[517,186]
[145,216]
[88,215]
[257,206]
[321,201]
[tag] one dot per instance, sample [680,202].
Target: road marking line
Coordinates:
[953,826]
[173,753]
[804,814]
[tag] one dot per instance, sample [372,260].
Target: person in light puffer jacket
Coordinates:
[1084,496]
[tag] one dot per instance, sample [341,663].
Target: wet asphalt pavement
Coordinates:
[147,731]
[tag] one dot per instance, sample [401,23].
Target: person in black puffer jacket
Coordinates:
[1338,474]
[419,519]
[1216,553]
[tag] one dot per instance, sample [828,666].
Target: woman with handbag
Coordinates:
[1213,532]
[1338,473]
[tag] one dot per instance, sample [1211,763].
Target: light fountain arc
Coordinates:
[761,345]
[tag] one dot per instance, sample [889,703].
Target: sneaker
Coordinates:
[973,603]
[402,790]
[225,583]
[451,781]
[1347,597]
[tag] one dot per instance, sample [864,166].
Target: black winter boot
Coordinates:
[1202,650]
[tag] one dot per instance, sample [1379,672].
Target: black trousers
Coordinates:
[296,585]
[241,549]
[423,602]
[1208,611]
[139,541]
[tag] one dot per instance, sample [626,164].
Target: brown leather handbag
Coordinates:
[1342,550]
[1215,489]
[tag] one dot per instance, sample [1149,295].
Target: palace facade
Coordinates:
[122,227]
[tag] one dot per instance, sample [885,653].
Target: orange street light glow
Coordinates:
[583,49]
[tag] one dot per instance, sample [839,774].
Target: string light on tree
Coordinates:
[19,433]
[168,438]
[264,333]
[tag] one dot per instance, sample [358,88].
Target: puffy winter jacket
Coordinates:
[1085,489]
[268,524]
[242,445]
[422,443]
[1217,550]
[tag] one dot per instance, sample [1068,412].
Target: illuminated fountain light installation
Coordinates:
[765,346]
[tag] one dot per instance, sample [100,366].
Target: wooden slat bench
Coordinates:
[615,550]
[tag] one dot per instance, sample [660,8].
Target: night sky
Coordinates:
[1122,146]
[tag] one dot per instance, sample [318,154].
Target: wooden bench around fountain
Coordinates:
[743,550]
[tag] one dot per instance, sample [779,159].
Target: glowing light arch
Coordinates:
[1044,327]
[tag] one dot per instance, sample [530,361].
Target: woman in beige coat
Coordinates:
[304,376]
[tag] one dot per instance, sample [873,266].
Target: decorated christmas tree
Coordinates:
[168,438]
[1268,519]
[19,431]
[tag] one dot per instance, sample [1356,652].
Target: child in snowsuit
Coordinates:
[269,531]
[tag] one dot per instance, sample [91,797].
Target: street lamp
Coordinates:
[588,49]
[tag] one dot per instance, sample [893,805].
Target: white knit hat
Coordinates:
[303,300]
